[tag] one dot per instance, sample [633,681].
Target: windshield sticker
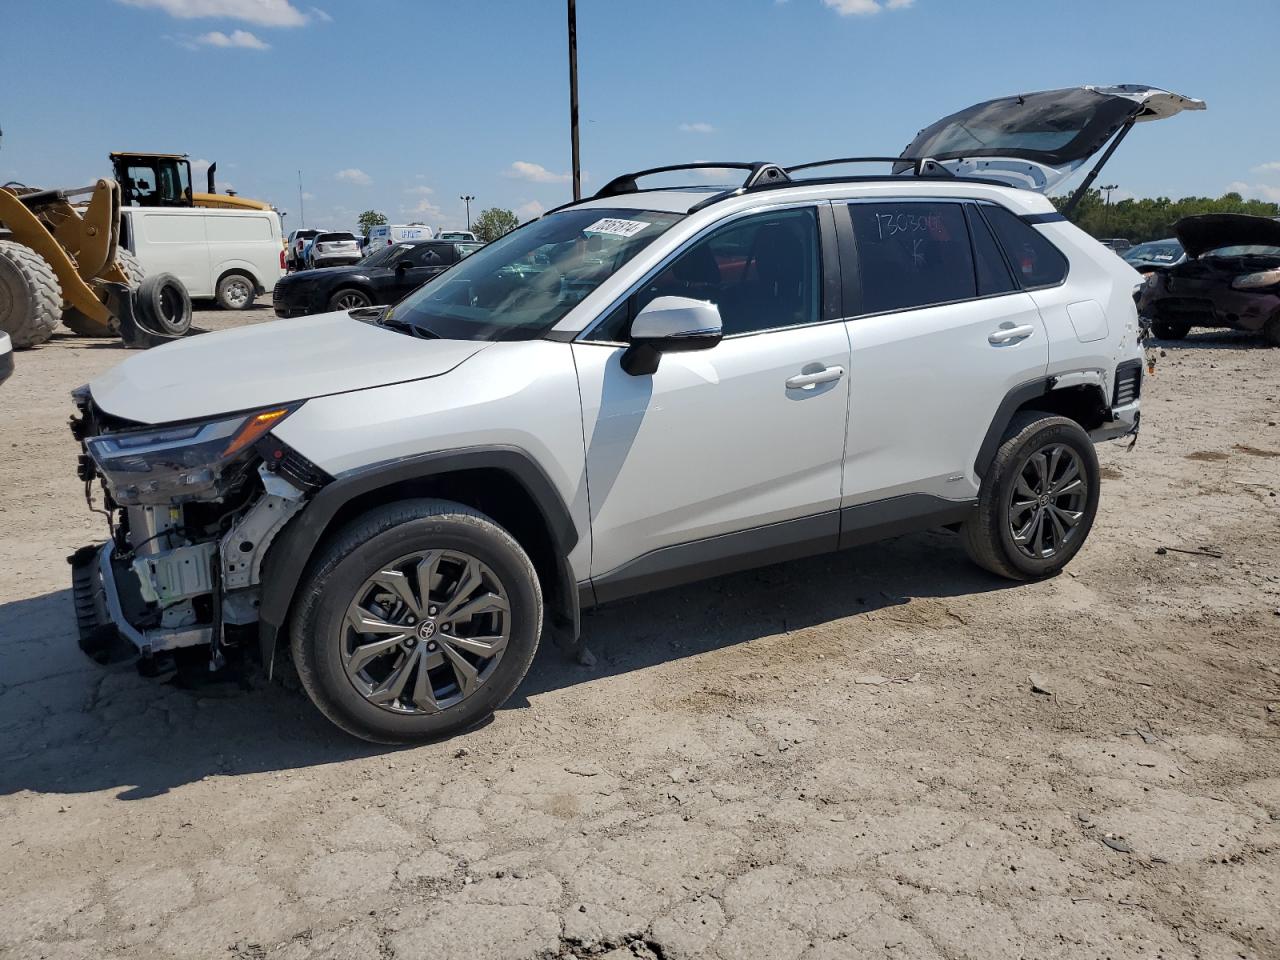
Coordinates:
[616,228]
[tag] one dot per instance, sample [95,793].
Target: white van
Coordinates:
[228,255]
[386,234]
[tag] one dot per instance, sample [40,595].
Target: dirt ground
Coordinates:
[732,778]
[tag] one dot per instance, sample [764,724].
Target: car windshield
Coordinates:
[519,287]
[1244,250]
[1162,251]
[385,255]
[333,237]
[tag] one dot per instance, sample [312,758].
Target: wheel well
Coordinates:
[1084,404]
[492,491]
[257,284]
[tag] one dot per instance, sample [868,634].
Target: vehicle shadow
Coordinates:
[68,725]
[1214,339]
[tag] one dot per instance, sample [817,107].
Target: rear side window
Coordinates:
[912,255]
[1036,261]
[988,262]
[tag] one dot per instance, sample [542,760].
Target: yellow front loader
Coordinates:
[62,262]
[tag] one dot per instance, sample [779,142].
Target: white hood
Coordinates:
[276,362]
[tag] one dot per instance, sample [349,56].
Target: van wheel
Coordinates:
[1038,499]
[164,305]
[417,621]
[235,292]
[350,299]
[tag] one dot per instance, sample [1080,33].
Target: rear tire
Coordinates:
[1022,496]
[236,291]
[1170,329]
[1271,330]
[30,296]
[164,305]
[375,567]
[131,267]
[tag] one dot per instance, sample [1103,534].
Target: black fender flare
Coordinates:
[1012,401]
[290,554]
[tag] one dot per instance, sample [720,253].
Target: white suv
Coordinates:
[638,390]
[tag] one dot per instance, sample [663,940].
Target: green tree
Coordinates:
[1152,218]
[493,223]
[370,219]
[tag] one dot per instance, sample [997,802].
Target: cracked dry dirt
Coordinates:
[719,784]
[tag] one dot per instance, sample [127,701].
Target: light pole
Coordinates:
[573,97]
[467,198]
[302,207]
[1107,188]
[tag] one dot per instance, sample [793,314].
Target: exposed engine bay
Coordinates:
[192,509]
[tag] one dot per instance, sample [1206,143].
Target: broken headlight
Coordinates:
[179,462]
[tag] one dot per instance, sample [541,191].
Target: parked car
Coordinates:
[296,246]
[639,389]
[386,234]
[380,278]
[6,357]
[336,249]
[1230,277]
[1146,257]
[456,235]
[231,256]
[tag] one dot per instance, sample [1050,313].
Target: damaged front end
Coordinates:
[192,510]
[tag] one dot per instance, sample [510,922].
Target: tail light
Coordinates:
[281,259]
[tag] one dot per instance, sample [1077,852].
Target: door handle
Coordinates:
[1010,334]
[803,381]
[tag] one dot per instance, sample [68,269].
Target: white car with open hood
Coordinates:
[653,385]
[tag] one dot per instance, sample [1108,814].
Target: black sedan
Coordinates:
[380,278]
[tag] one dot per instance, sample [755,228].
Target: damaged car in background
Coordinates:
[1230,277]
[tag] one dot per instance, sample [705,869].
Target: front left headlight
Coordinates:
[179,462]
[1255,281]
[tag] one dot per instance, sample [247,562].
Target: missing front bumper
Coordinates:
[106,635]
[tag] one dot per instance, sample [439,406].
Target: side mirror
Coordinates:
[403,265]
[670,325]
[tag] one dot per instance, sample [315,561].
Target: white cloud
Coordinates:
[318,14]
[1255,191]
[264,13]
[1272,167]
[527,211]
[308,196]
[199,166]
[354,175]
[420,191]
[699,127]
[236,38]
[523,170]
[423,210]
[865,8]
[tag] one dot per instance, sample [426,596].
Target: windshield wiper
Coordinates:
[404,326]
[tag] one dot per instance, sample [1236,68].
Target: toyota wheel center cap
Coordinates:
[426,629]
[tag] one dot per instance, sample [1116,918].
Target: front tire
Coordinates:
[1038,500]
[350,298]
[1170,329]
[417,621]
[30,296]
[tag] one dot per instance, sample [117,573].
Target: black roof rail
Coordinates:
[922,166]
[759,173]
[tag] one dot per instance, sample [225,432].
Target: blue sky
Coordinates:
[403,105]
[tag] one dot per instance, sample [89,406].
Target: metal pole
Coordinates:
[467,198]
[573,97]
[302,207]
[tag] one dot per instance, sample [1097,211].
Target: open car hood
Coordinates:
[1199,235]
[1037,140]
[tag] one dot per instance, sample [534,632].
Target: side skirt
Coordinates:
[775,543]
